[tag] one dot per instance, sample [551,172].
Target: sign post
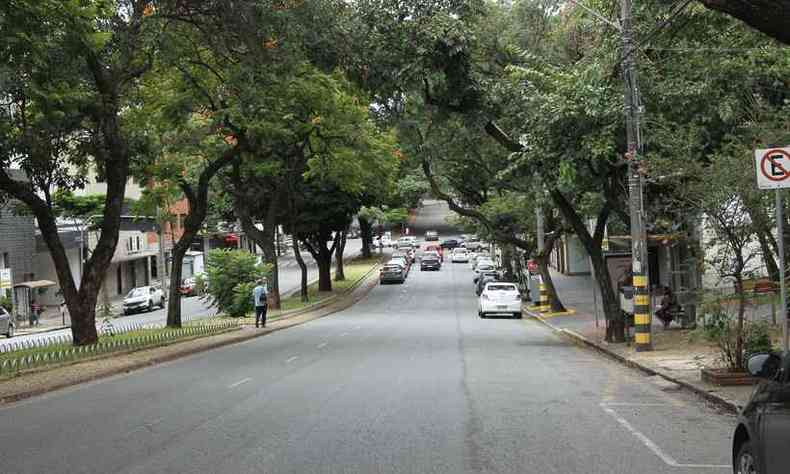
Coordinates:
[773,172]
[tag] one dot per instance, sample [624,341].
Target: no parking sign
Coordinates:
[773,168]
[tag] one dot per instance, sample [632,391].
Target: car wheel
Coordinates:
[746,461]
[481,314]
[11,330]
[150,306]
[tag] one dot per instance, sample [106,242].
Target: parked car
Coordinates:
[459,255]
[188,287]
[406,253]
[430,262]
[7,326]
[762,434]
[482,279]
[392,272]
[400,260]
[450,244]
[472,243]
[499,297]
[143,298]
[383,241]
[475,256]
[431,235]
[484,267]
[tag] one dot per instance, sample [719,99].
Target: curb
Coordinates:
[178,355]
[315,306]
[43,331]
[722,402]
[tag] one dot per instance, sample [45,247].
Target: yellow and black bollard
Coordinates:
[642,322]
[544,306]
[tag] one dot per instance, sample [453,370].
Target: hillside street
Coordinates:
[409,380]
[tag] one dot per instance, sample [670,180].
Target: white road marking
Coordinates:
[357,327]
[668,460]
[291,359]
[628,404]
[322,345]
[234,385]
[344,334]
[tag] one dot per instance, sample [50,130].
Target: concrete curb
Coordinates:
[718,400]
[349,295]
[296,312]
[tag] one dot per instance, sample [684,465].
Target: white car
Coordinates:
[143,298]
[6,323]
[483,267]
[399,261]
[408,240]
[482,261]
[459,255]
[499,297]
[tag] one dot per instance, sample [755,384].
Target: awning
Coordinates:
[35,284]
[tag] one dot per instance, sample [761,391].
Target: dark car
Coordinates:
[762,437]
[431,235]
[450,243]
[430,262]
[392,273]
[482,279]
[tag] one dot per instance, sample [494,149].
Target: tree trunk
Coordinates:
[198,206]
[615,323]
[324,262]
[265,239]
[174,298]
[507,262]
[302,268]
[340,247]
[768,257]
[366,231]
[542,259]
[739,328]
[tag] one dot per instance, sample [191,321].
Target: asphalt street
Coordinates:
[409,380]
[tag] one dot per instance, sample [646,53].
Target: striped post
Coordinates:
[544,306]
[642,316]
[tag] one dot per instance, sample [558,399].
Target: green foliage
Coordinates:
[5,302]
[230,273]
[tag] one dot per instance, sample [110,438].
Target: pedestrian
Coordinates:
[259,294]
[667,307]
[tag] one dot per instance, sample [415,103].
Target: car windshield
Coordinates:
[500,287]
[137,292]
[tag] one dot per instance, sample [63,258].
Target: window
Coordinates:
[138,243]
[6,263]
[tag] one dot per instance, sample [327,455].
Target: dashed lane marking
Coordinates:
[242,381]
[322,345]
[291,359]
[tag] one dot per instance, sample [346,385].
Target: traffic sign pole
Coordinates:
[780,241]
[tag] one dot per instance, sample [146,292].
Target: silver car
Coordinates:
[6,323]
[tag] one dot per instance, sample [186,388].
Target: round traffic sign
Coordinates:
[772,166]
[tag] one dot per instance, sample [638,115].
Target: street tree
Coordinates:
[68,76]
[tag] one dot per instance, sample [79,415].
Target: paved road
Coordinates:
[409,380]
[195,308]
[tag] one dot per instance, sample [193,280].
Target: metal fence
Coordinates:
[16,364]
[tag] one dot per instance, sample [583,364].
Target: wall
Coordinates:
[18,240]
[45,270]
[577,262]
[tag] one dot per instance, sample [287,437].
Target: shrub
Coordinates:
[5,302]
[230,274]
[756,339]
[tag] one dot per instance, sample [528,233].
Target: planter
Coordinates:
[728,377]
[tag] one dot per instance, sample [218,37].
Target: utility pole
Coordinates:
[642,314]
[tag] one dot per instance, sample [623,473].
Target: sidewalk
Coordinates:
[673,358]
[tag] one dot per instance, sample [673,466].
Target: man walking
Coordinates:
[259,294]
